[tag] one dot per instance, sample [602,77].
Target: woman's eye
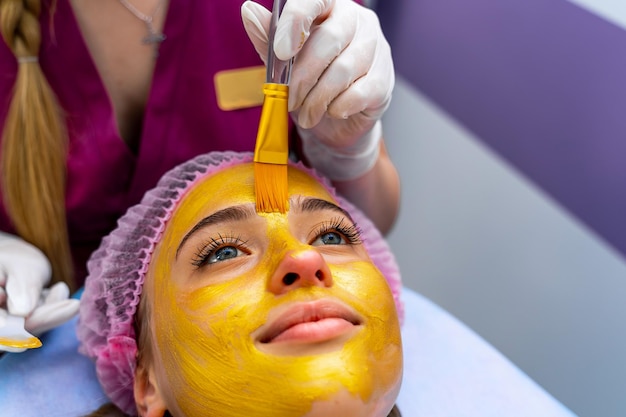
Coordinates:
[219,249]
[222,254]
[329,238]
[337,231]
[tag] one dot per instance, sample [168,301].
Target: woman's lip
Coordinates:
[308,322]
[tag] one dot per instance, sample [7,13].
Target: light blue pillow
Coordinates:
[449,371]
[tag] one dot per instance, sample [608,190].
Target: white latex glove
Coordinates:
[24,270]
[53,309]
[341,80]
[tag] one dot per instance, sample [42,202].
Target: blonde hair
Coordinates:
[34,144]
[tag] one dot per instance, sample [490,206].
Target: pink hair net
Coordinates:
[117,270]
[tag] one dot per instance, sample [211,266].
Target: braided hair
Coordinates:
[34,144]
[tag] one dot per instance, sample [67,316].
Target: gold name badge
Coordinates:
[239,88]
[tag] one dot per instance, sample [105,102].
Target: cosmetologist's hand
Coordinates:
[24,271]
[341,81]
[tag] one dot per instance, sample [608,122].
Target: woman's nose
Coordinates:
[306,268]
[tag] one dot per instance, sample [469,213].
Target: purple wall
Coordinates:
[542,82]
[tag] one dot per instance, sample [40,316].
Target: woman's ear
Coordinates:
[150,402]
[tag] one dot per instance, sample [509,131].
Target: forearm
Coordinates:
[377,192]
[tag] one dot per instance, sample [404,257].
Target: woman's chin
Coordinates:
[345,404]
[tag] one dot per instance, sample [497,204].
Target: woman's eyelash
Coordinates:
[341,225]
[205,251]
[208,248]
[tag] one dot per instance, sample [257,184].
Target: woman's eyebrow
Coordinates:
[229,214]
[317,204]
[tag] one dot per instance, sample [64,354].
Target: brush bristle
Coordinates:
[270,186]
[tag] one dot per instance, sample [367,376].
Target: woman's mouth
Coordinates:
[308,323]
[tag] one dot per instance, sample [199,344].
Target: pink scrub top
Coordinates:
[181,119]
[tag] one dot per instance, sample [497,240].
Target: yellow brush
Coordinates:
[271,152]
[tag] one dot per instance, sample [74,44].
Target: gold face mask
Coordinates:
[256,314]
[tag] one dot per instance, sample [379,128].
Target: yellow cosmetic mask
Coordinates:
[269,314]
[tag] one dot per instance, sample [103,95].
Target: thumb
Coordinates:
[58,292]
[49,316]
[256,21]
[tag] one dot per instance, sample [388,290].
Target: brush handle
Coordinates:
[278,71]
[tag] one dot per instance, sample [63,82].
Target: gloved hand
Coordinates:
[24,270]
[53,309]
[341,80]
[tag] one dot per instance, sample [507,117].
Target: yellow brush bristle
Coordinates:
[271,153]
[270,186]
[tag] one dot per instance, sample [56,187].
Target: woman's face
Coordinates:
[269,314]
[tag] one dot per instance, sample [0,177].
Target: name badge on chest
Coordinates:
[239,88]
